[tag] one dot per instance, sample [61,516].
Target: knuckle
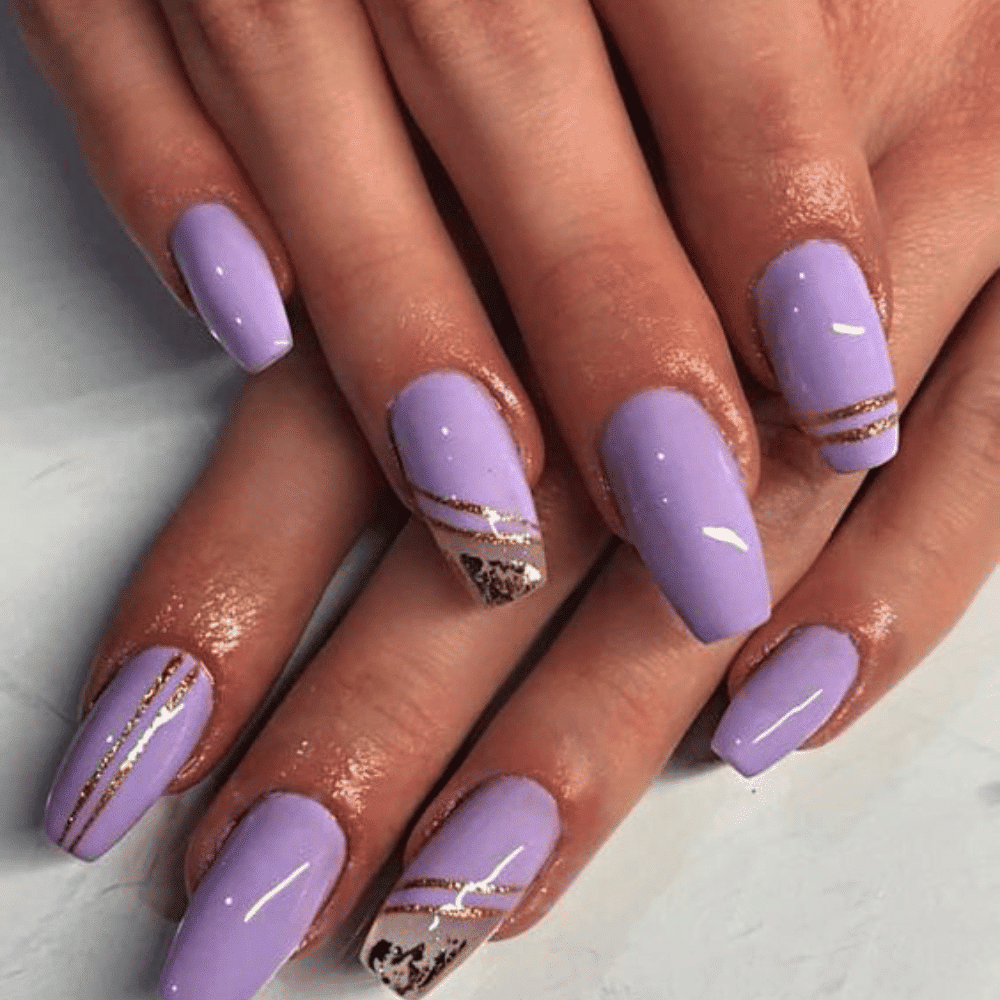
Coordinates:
[447,32]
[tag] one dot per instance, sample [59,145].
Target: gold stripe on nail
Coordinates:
[863,406]
[860,433]
[498,538]
[147,699]
[491,514]
[458,912]
[166,712]
[454,885]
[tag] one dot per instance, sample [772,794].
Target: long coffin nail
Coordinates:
[130,747]
[252,909]
[460,887]
[468,480]
[793,692]
[679,491]
[828,349]
[232,284]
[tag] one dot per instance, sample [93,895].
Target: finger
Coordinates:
[523,110]
[568,756]
[217,606]
[327,788]
[897,576]
[300,92]
[164,169]
[772,193]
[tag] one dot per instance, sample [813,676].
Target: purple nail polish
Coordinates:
[468,481]
[679,491]
[463,883]
[828,349]
[252,909]
[230,279]
[133,742]
[790,695]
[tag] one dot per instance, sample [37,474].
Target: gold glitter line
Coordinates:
[468,507]
[169,706]
[147,699]
[864,406]
[483,536]
[462,913]
[860,433]
[454,885]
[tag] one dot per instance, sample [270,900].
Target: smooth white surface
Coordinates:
[867,871]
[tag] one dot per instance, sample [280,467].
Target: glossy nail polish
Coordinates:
[829,352]
[790,695]
[232,285]
[457,891]
[468,481]
[133,742]
[252,909]
[679,490]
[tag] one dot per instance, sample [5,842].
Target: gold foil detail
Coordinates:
[147,699]
[480,510]
[459,913]
[860,433]
[863,406]
[454,885]
[500,581]
[123,772]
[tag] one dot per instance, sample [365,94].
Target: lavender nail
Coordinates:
[468,480]
[679,491]
[828,349]
[230,279]
[133,742]
[460,887]
[793,692]
[252,909]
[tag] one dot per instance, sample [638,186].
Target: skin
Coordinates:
[376,717]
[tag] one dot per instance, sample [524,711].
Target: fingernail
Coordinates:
[679,491]
[252,909]
[130,747]
[790,695]
[829,352]
[468,480]
[463,883]
[230,279]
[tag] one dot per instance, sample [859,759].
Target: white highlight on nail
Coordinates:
[793,711]
[162,717]
[268,896]
[848,329]
[722,534]
[482,886]
[218,270]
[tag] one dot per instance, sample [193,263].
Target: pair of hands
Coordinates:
[376,717]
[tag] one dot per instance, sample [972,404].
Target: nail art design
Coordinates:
[460,887]
[252,909]
[468,481]
[232,285]
[133,742]
[793,692]
[829,352]
[679,491]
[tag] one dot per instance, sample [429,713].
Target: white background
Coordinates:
[869,869]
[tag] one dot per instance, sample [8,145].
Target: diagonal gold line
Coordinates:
[860,433]
[456,886]
[123,772]
[862,406]
[462,913]
[480,510]
[147,699]
[482,536]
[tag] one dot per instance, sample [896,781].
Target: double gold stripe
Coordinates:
[868,405]
[860,433]
[479,510]
[147,699]
[489,537]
